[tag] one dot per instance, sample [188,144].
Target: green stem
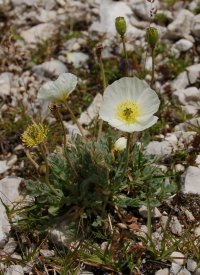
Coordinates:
[43,151]
[65,144]
[148,217]
[32,160]
[153,67]
[127,151]
[103,77]
[125,54]
[74,118]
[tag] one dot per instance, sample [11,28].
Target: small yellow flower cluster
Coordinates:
[34,135]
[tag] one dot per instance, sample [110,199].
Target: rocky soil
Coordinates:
[42,39]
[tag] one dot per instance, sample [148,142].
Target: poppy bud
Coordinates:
[120,24]
[152,36]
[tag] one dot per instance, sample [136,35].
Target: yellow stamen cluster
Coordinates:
[34,134]
[128,111]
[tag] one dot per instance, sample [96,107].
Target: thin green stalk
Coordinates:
[127,151]
[32,160]
[153,67]
[103,77]
[74,118]
[125,54]
[43,151]
[148,218]
[65,143]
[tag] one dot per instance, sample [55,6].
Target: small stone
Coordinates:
[39,33]
[191,182]
[54,67]
[189,216]
[175,268]
[9,193]
[184,271]
[92,111]
[144,213]
[177,258]
[182,24]
[191,265]
[3,166]
[5,83]
[159,148]
[183,45]
[197,231]
[188,124]
[179,167]
[197,161]
[77,58]
[15,270]
[175,226]
[187,96]
[10,247]
[164,271]
[196,25]
[47,253]
[197,272]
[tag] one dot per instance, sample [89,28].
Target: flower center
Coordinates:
[128,111]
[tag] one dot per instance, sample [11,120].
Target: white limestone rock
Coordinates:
[39,33]
[190,76]
[144,213]
[164,271]
[183,45]
[9,193]
[92,111]
[5,83]
[191,180]
[175,226]
[177,257]
[109,10]
[54,67]
[182,24]
[159,148]
[77,58]
[191,265]
[197,161]
[196,26]
[190,98]
[142,8]
[15,270]
[3,166]
[188,125]
[180,82]
[29,3]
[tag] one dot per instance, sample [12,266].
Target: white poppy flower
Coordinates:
[120,144]
[59,89]
[129,104]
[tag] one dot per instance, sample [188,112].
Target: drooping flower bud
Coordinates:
[120,144]
[120,25]
[152,36]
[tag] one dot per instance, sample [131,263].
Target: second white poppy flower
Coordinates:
[129,105]
[59,89]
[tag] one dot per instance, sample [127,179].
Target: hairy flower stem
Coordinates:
[32,160]
[127,151]
[125,54]
[148,217]
[153,67]
[43,151]
[65,144]
[74,118]
[103,77]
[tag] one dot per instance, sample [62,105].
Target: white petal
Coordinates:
[59,89]
[149,102]
[66,83]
